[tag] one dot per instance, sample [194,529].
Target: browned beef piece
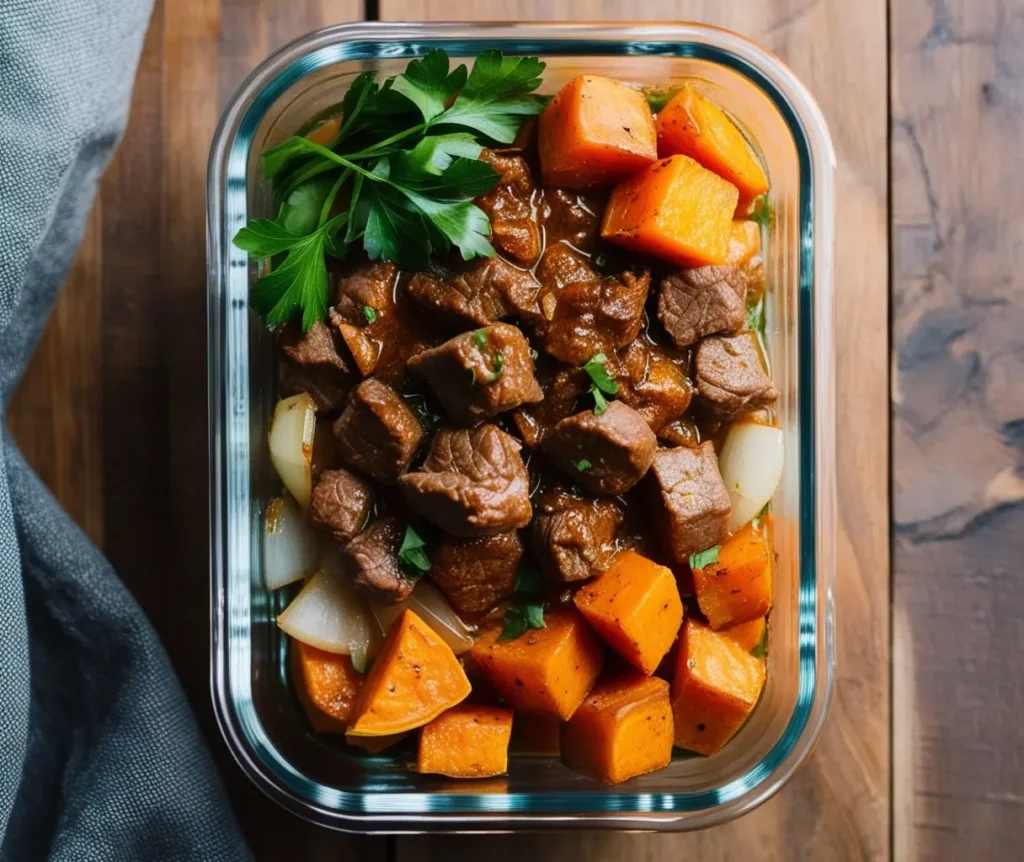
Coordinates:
[652,383]
[480,293]
[606,454]
[562,387]
[509,206]
[690,499]
[312,362]
[571,216]
[682,432]
[476,574]
[473,483]
[341,503]
[730,375]
[584,313]
[377,434]
[481,373]
[371,285]
[573,536]
[371,560]
[702,301]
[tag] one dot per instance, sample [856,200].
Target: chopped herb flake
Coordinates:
[520,618]
[704,558]
[582,465]
[369,313]
[480,338]
[412,556]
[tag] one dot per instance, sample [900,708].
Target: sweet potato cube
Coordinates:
[693,125]
[676,210]
[748,635]
[737,587]
[326,685]
[622,729]
[414,679]
[536,734]
[595,131]
[635,608]
[548,670]
[717,684]
[744,242]
[466,742]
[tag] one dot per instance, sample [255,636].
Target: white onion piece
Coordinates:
[291,445]
[751,465]
[291,547]
[430,605]
[329,614]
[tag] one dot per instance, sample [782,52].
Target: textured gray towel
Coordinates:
[100,758]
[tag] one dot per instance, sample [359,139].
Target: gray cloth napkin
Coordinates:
[100,758]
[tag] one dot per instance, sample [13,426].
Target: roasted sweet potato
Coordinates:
[595,131]
[326,685]
[749,634]
[622,729]
[635,608]
[536,734]
[676,210]
[693,125]
[466,742]
[548,670]
[744,242]
[415,678]
[737,587]
[717,684]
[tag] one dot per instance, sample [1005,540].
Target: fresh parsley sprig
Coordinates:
[399,177]
[412,555]
[528,611]
[601,382]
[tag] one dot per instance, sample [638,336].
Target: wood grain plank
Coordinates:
[55,414]
[837,806]
[958,319]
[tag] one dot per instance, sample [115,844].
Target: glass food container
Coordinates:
[320,778]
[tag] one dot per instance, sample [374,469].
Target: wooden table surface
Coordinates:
[923,754]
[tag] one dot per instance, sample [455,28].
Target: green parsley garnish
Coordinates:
[498,363]
[760,649]
[762,212]
[601,382]
[369,313]
[411,188]
[529,582]
[480,338]
[704,558]
[528,611]
[658,97]
[755,316]
[412,556]
[582,465]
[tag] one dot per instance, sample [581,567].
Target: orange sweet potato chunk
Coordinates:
[595,131]
[635,608]
[716,686]
[693,125]
[547,671]
[467,741]
[744,242]
[326,686]
[737,587]
[749,634]
[414,679]
[622,729]
[676,210]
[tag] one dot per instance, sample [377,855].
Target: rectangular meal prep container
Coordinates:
[320,778]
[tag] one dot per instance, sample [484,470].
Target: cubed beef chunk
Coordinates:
[341,504]
[574,536]
[730,375]
[652,383]
[311,362]
[473,483]
[481,373]
[371,286]
[583,313]
[682,432]
[377,434]
[702,301]
[562,387]
[690,499]
[606,454]
[371,560]
[476,574]
[572,216]
[479,293]
[509,206]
